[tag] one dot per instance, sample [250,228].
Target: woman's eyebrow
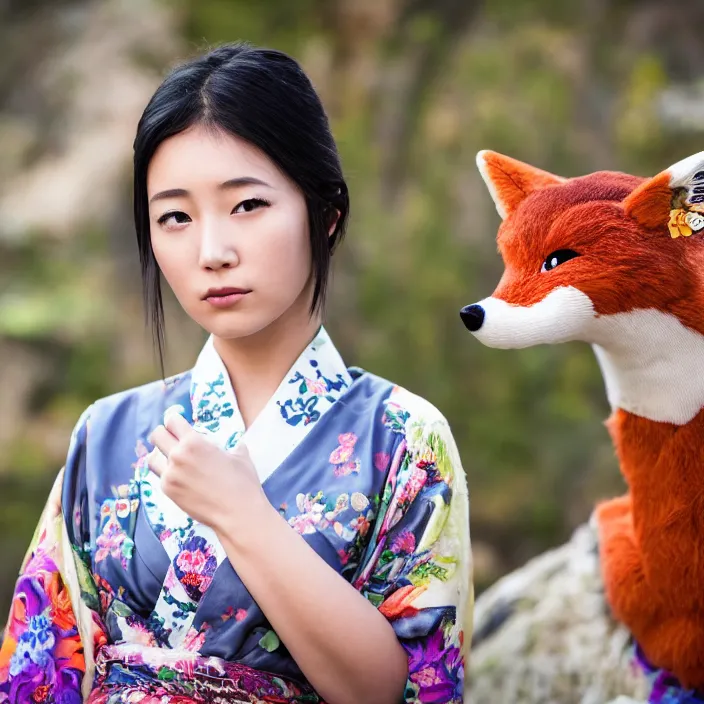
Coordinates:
[243,181]
[171,193]
[227,185]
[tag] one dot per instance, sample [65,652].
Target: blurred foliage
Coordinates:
[414,89]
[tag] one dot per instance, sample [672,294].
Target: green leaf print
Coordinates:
[166,674]
[423,573]
[439,447]
[270,641]
[89,593]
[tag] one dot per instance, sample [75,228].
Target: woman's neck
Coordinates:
[258,363]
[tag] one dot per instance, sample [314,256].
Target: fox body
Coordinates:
[617,261]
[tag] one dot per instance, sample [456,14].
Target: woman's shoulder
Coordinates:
[408,410]
[143,402]
[425,431]
[393,393]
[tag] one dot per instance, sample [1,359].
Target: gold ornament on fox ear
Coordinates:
[684,223]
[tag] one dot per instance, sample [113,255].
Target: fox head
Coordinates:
[610,259]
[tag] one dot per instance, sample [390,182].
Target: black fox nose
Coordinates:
[472,317]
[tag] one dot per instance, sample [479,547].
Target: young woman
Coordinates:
[271,525]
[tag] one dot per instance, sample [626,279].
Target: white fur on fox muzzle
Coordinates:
[562,316]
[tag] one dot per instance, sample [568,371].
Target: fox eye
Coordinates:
[559,257]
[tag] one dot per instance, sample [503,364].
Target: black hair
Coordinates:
[264,97]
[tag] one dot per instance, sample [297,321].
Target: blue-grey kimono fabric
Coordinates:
[124,598]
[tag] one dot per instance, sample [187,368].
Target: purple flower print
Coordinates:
[404,543]
[436,669]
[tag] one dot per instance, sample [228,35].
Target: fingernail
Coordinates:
[176,408]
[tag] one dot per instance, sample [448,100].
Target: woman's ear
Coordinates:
[333,219]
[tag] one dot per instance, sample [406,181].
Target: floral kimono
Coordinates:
[123,597]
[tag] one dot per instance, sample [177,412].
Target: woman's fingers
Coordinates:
[176,424]
[163,439]
[157,462]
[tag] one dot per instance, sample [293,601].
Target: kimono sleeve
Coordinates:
[418,567]
[52,630]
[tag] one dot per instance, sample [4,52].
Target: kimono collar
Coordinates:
[317,379]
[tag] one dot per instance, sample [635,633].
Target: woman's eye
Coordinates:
[247,206]
[175,217]
[559,257]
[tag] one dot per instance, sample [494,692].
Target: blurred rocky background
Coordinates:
[414,89]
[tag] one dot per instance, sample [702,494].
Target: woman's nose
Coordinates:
[217,251]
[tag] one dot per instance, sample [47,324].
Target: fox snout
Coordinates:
[564,314]
[472,317]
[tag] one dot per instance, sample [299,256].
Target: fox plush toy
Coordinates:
[617,261]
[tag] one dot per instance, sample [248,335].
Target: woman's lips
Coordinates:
[225,298]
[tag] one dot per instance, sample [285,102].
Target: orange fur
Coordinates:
[513,180]
[651,542]
[651,539]
[649,204]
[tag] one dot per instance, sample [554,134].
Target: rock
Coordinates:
[543,634]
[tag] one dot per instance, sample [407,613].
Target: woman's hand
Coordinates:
[209,484]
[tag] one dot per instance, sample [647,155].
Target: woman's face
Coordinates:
[229,232]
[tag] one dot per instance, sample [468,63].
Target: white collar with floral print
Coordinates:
[315,381]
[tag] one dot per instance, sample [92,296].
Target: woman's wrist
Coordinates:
[241,524]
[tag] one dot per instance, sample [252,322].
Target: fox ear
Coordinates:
[510,181]
[674,197]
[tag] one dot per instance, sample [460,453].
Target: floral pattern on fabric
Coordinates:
[310,391]
[342,457]
[195,565]
[145,611]
[117,517]
[168,677]
[343,518]
[418,559]
[41,659]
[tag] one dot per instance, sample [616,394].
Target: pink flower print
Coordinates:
[305,524]
[193,640]
[110,541]
[195,565]
[311,515]
[170,579]
[413,485]
[343,453]
[316,386]
[404,543]
[136,632]
[191,561]
[342,456]
[381,461]
[240,615]
[343,470]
